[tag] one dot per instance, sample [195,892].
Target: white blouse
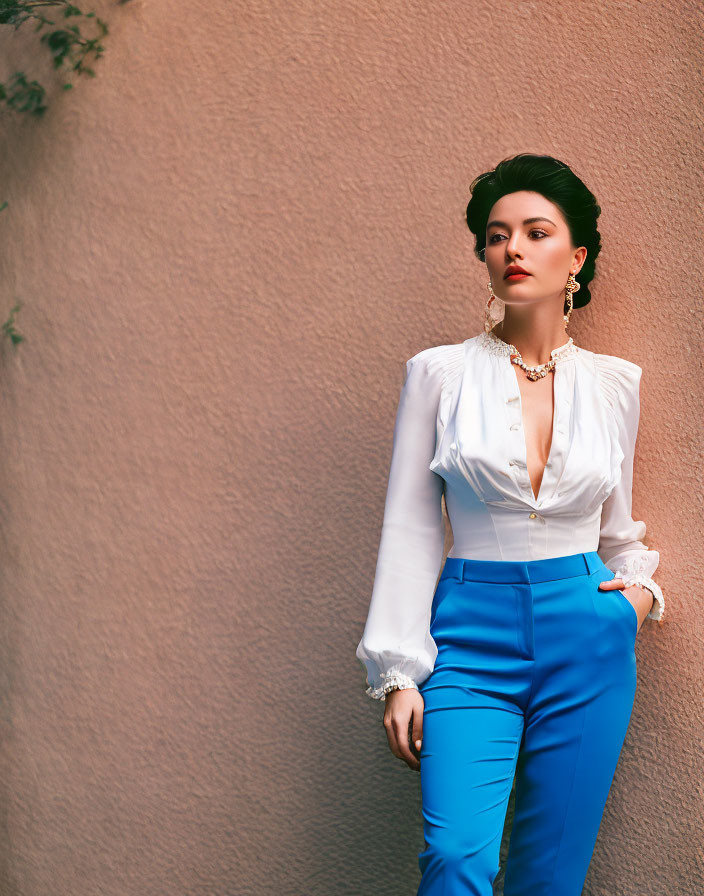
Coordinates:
[459,430]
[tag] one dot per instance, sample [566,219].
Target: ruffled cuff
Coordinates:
[632,574]
[390,681]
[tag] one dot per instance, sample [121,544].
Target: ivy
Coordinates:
[70,49]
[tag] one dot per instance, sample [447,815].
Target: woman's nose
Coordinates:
[513,246]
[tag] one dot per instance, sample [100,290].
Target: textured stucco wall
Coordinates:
[227,244]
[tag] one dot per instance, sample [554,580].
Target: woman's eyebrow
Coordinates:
[527,221]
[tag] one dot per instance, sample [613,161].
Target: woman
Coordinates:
[520,659]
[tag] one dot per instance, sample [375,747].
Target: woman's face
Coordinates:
[526,229]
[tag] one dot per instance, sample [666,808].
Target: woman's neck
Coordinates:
[534,344]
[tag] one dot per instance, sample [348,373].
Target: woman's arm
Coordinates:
[621,544]
[396,647]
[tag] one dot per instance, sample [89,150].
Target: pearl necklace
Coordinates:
[539,371]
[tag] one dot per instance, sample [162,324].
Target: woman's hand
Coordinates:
[403,720]
[639,597]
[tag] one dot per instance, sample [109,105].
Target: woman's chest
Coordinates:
[513,444]
[537,408]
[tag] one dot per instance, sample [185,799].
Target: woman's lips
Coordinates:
[516,276]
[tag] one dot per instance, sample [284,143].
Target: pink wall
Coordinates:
[227,245]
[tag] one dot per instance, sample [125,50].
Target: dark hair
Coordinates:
[556,182]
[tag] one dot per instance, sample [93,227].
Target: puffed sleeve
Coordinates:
[397,648]
[621,537]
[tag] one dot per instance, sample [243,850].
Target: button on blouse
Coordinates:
[459,432]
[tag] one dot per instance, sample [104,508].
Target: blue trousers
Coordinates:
[535,677]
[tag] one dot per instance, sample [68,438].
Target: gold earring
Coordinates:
[571,286]
[489,320]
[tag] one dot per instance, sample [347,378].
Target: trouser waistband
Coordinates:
[516,571]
